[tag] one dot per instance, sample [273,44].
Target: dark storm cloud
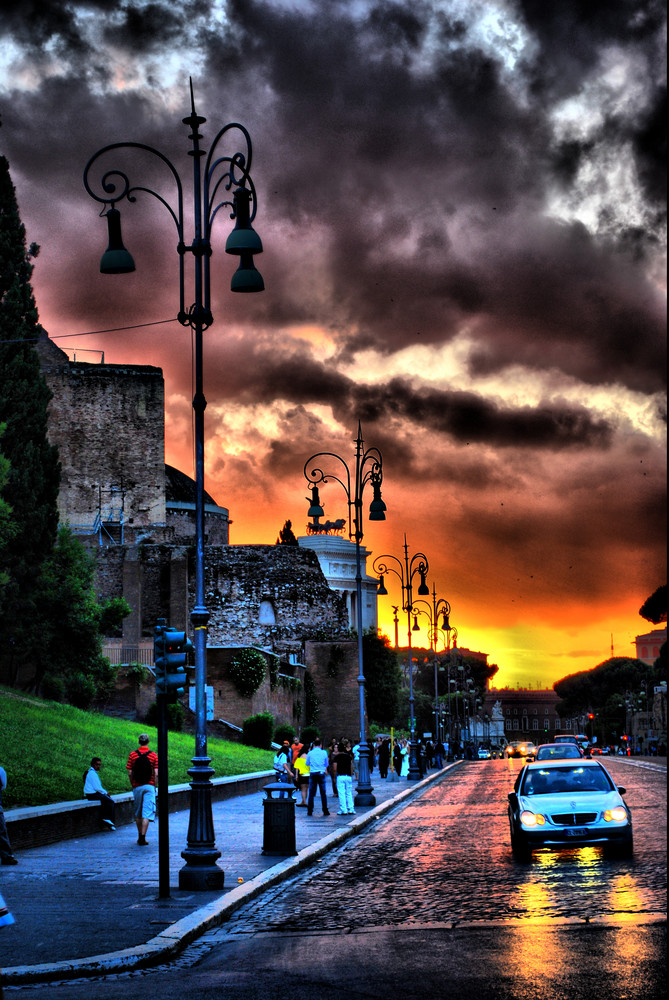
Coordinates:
[464,417]
[148,28]
[34,23]
[396,154]
[405,169]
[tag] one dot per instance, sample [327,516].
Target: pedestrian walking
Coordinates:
[332,749]
[439,754]
[295,748]
[384,758]
[429,754]
[404,751]
[397,757]
[6,853]
[318,762]
[342,765]
[301,769]
[142,768]
[93,791]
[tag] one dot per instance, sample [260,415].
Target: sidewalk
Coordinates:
[90,906]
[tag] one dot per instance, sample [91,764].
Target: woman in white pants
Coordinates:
[342,767]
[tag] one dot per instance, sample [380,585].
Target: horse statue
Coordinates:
[327,527]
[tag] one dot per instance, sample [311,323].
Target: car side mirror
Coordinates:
[622,789]
[511,796]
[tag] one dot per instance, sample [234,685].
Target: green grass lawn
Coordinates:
[45,747]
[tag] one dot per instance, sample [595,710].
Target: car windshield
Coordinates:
[562,751]
[575,778]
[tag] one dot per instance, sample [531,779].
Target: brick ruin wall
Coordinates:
[271,596]
[108,423]
[335,680]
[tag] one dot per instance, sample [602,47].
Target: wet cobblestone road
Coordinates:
[430,897]
[446,856]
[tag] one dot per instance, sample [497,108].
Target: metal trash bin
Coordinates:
[279,820]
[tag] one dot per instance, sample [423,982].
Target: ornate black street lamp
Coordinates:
[368,469]
[219,182]
[405,572]
[436,608]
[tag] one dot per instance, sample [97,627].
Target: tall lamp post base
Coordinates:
[414,768]
[201,873]
[363,793]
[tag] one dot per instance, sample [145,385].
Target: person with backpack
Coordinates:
[142,768]
[94,791]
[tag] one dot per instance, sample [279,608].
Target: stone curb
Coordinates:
[174,939]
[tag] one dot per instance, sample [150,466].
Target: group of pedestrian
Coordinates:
[308,768]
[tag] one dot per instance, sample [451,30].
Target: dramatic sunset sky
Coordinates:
[462,205]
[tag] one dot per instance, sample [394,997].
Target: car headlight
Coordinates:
[618,814]
[532,819]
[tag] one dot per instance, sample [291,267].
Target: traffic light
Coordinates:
[590,716]
[170,655]
[545,725]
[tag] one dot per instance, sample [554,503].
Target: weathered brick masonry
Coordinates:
[108,423]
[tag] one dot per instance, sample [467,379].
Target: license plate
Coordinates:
[577,831]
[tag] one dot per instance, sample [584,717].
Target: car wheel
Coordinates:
[520,848]
[623,849]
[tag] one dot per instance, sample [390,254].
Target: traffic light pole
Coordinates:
[163,803]
[170,655]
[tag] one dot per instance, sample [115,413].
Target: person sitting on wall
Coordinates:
[93,791]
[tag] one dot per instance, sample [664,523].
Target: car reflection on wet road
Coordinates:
[430,902]
[447,856]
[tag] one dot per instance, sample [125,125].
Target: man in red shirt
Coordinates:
[142,768]
[295,748]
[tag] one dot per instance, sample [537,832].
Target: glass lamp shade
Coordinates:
[116,259]
[247,278]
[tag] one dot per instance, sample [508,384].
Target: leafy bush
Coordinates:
[137,673]
[284,732]
[174,714]
[53,688]
[257,730]
[80,690]
[247,671]
[309,734]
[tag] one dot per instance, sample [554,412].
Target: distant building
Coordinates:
[648,645]
[527,714]
[336,556]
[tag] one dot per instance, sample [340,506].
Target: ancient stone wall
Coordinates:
[108,424]
[334,670]
[272,596]
[285,701]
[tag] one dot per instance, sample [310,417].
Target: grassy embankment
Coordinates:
[45,747]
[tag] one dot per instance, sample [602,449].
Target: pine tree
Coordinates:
[31,489]
[286,535]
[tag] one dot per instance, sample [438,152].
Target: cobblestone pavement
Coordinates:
[432,891]
[98,894]
[446,856]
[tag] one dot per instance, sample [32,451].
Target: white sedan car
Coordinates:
[560,803]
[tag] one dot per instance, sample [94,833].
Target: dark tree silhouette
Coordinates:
[654,608]
[286,536]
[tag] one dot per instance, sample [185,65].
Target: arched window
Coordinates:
[266,614]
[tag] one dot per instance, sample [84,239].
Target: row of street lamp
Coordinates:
[223,182]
